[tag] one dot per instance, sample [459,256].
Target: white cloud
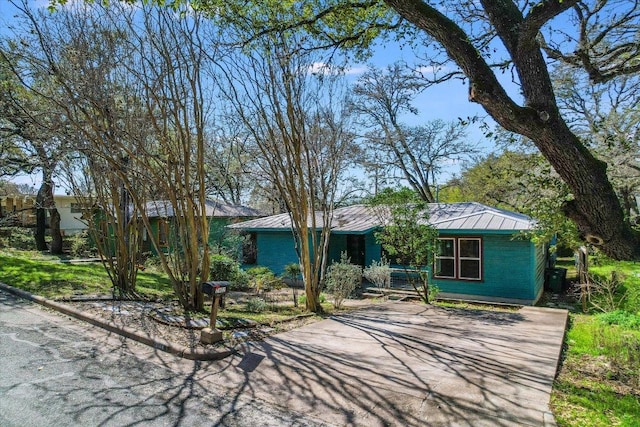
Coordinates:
[331,69]
[430,69]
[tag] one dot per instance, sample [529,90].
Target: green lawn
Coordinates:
[599,380]
[43,275]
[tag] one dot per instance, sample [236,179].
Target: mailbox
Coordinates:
[217,291]
[215,288]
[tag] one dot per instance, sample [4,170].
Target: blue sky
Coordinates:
[447,101]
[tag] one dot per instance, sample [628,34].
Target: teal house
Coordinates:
[219,214]
[481,252]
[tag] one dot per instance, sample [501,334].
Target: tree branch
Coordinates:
[540,14]
[484,87]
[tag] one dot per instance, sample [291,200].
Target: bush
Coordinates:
[80,245]
[302,299]
[18,238]
[342,279]
[263,279]
[378,273]
[621,318]
[222,267]
[256,305]
[292,271]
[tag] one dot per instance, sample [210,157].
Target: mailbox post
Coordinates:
[216,290]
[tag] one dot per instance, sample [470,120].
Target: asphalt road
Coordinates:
[56,371]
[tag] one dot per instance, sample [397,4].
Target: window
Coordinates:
[446,258]
[459,258]
[76,208]
[469,260]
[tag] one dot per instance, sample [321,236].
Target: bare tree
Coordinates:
[475,40]
[417,153]
[131,86]
[229,162]
[606,118]
[602,39]
[294,119]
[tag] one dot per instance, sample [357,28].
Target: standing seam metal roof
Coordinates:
[470,216]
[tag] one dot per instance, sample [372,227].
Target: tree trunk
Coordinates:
[41,218]
[54,228]
[595,207]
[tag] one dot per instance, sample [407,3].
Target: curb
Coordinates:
[132,334]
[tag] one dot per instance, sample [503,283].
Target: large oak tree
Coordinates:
[595,207]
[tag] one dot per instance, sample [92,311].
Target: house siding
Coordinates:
[512,267]
[506,270]
[337,245]
[276,250]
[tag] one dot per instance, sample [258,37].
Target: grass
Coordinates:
[44,275]
[272,314]
[599,380]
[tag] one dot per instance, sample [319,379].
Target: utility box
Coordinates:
[555,279]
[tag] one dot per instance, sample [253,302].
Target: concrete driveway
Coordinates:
[410,365]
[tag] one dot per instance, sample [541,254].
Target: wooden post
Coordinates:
[214,311]
[212,335]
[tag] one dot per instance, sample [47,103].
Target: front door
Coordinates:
[355,249]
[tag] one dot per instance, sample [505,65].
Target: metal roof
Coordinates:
[469,216]
[164,209]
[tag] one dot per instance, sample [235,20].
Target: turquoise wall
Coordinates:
[337,245]
[507,270]
[373,250]
[275,250]
[512,268]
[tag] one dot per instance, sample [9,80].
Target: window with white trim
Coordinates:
[458,258]
[445,258]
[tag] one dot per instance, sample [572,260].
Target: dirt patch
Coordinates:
[593,372]
[142,317]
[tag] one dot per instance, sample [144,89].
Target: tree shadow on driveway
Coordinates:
[407,364]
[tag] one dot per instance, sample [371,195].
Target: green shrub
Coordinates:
[342,279]
[302,299]
[378,273]
[79,245]
[222,267]
[292,271]
[256,305]
[17,238]
[263,279]
[621,318]
[434,291]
